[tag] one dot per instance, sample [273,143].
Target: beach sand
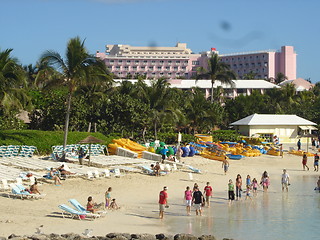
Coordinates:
[137,194]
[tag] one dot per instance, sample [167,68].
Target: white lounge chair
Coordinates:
[90,175]
[107,173]
[5,185]
[96,174]
[117,172]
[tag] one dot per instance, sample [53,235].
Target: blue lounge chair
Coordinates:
[75,213]
[77,205]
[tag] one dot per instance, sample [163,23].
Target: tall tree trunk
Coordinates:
[212,82]
[95,127]
[89,127]
[66,126]
[155,130]
[144,134]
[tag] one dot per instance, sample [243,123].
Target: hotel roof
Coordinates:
[273,119]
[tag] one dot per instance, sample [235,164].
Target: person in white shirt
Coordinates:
[285,180]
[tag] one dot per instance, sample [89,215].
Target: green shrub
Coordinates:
[225,135]
[168,138]
[44,140]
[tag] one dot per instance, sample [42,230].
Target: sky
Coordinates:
[30,27]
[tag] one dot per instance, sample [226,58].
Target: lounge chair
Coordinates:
[77,205]
[81,208]
[117,172]
[107,173]
[5,185]
[75,213]
[195,170]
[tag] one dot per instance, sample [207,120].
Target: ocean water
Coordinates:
[273,215]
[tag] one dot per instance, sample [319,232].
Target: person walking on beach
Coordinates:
[108,197]
[316,162]
[299,145]
[238,187]
[188,199]
[197,200]
[230,191]
[163,202]
[265,181]
[248,193]
[225,166]
[304,162]
[208,191]
[281,150]
[318,184]
[248,180]
[285,180]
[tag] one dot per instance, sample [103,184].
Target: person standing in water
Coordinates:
[285,180]
[230,191]
[188,199]
[208,191]
[163,202]
[316,162]
[304,162]
[238,187]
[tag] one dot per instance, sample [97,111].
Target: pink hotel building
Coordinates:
[179,61]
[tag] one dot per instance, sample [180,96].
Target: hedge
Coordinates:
[44,140]
[225,135]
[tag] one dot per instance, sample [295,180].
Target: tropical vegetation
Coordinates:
[77,94]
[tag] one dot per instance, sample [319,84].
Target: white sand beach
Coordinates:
[137,194]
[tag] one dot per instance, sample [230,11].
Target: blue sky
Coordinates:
[32,26]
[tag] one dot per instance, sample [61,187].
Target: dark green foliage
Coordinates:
[44,140]
[225,135]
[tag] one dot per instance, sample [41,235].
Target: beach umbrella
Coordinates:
[308,135]
[90,140]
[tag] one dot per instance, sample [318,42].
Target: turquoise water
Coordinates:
[273,215]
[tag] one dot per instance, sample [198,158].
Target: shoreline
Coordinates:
[137,194]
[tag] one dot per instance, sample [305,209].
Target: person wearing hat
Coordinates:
[285,180]
[163,201]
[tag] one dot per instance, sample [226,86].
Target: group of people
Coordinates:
[110,204]
[58,174]
[192,197]
[315,162]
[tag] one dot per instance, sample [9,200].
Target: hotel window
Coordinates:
[244,57]
[119,61]
[175,68]
[150,68]
[161,61]
[111,61]
[142,67]
[257,57]
[250,57]
[153,74]
[169,73]
[252,64]
[178,74]
[186,61]
[167,68]
[235,65]
[247,64]
[161,74]
[118,67]
[184,68]
[177,61]
[128,61]
[126,68]
[232,59]
[134,68]
[266,64]
[227,59]
[159,68]
[195,62]
[136,61]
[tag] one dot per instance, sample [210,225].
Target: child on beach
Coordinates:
[108,197]
[225,166]
[265,181]
[188,199]
[248,180]
[113,205]
[254,186]
[230,191]
[248,194]
[238,187]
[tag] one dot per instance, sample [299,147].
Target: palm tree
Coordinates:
[280,77]
[250,75]
[12,83]
[217,70]
[79,68]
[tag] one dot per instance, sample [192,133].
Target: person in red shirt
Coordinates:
[208,191]
[163,201]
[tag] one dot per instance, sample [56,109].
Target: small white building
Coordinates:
[286,127]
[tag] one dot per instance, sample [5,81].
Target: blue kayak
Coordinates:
[234,157]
